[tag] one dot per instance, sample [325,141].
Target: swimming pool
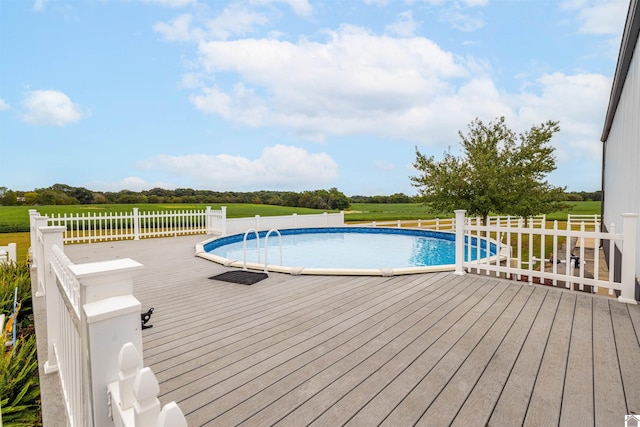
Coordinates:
[340,250]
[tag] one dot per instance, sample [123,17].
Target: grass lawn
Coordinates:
[16,218]
[389,212]
[22,241]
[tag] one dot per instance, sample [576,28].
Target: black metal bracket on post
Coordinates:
[145,317]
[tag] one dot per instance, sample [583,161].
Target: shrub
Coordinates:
[19,380]
[20,384]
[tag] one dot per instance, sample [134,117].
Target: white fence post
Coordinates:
[39,221]
[112,314]
[224,220]
[136,224]
[629,242]
[8,253]
[460,241]
[208,221]
[111,323]
[50,236]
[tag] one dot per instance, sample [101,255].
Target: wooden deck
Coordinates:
[431,349]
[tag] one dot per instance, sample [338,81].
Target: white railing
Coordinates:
[447,224]
[8,253]
[591,222]
[562,268]
[260,223]
[103,226]
[84,304]
[437,224]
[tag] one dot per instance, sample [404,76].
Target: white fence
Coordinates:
[240,225]
[84,304]
[448,224]
[562,268]
[8,253]
[104,226]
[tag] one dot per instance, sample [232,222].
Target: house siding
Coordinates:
[621,165]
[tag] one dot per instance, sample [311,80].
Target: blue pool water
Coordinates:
[345,248]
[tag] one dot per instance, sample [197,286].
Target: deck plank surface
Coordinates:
[431,349]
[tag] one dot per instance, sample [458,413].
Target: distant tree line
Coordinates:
[584,196]
[332,199]
[62,194]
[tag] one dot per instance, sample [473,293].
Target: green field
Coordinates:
[16,218]
[403,211]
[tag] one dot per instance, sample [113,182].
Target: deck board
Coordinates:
[577,401]
[432,349]
[609,396]
[629,355]
[546,399]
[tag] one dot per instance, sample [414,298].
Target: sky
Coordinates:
[292,95]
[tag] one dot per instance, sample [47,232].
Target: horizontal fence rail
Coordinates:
[449,224]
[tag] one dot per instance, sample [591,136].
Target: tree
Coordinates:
[8,197]
[497,173]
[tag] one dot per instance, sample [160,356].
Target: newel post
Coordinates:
[50,236]
[208,225]
[112,316]
[38,252]
[459,241]
[629,246]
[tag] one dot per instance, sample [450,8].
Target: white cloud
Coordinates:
[236,19]
[38,5]
[299,7]
[378,3]
[51,107]
[599,17]
[355,82]
[178,30]
[404,26]
[578,102]
[384,166]
[132,183]
[461,19]
[3,105]
[171,3]
[278,166]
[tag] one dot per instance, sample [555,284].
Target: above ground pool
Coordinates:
[338,250]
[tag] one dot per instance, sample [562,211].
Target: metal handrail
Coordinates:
[244,246]
[266,247]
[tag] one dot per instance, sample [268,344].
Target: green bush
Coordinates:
[20,384]
[14,275]
[19,380]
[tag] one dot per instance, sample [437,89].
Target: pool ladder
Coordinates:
[266,246]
